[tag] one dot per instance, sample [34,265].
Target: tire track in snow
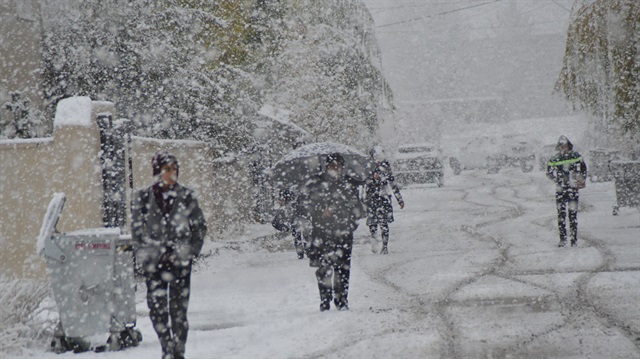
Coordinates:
[418,305]
[581,303]
[513,210]
[570,316]
[422,305]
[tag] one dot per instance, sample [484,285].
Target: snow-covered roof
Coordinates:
[281,116]
[225,159]
[73,111]
[169,141]
[24,141]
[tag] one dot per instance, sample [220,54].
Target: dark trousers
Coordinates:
[298,241]
[334,271]
[567,201]
[384,231]
[168,298]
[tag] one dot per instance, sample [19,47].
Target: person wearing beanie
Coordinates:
[331,203]
[168,229]
[569,172]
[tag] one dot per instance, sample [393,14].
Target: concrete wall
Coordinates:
[223,186]
[33,170]
[69,162]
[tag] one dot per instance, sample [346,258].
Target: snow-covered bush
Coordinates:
[24,315]
[202,69]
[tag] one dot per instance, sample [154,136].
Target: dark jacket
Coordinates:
[340,198]
[566,170]
[378,198]
[178,234]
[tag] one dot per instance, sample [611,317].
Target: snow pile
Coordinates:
[74,111]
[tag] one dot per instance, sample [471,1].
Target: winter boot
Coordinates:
[167,349]
[166,342]
[300,251]
[563,240]
[384,249]
[178,348]
[341,304]
[325,305]
[574,243]
[374,243]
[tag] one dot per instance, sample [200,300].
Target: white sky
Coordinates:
[466,61]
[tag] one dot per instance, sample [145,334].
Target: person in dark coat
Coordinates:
[168,229]
[291,213]
[332,204]
[569,171]
[378,200]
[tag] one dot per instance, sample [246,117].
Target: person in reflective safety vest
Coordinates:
[569,171]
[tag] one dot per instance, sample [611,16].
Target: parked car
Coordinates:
[544,154]
[419,163]
[496,152]
[512,154]
[474,154]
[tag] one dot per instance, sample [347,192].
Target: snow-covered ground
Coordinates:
[473,272]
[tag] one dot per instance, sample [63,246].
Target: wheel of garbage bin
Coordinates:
[130,337]
[137,336]
[114,342]
[59,345]
[78,345]
[59,342]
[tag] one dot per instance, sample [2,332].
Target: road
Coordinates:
[473,271]
[478,258]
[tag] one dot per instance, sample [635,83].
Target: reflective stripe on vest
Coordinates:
[558,163]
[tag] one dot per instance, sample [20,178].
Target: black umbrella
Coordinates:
[298,166]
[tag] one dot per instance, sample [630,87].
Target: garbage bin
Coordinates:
[627,181]
[92,280]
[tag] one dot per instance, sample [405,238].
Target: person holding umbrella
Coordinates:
[378,199]
[331,202]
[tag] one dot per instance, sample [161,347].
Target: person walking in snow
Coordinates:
[378,199]
[332,204]
[288,219]
[168,229]
[569,172]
